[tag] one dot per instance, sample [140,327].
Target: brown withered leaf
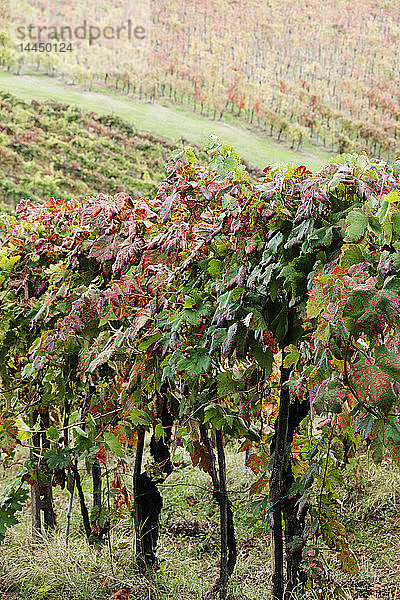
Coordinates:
[123,594]
[191,501]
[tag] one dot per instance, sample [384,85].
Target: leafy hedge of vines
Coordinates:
[200,292]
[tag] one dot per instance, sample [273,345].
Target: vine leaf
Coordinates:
[230,342]
[396,222]
[113,443]
[140,320]
[382,310]
[292,356]
[103,249]
[329,397]
[8,442]
[200,457]
[113,343]
[393,440]
[8,436]
[12,501]
[372,386]
[195,363]
[58,459]
[260,485]
[388,362]
[350,255]
[334,535]
[338,337]
[356,225]
[356,303]
[255,321]
[217,338]
[318,296]
[264,359]
[258,464]
[226,385]
[167,206]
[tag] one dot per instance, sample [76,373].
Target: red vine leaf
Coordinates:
[372,386]
[200,457]
[382,310]
[260,485]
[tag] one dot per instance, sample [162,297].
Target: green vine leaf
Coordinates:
[350,255]
[356,226]
[292,356]
[12,501]
[113,443]
[196,363]
[329,397]
[58,459]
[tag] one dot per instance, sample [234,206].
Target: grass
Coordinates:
[189,550]
[168,121]
[371,511]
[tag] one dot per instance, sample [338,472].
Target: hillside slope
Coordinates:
[171,122]
[52,149]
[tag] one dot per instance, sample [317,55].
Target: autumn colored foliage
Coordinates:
[114,306]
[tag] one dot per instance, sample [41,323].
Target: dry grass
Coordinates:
[188,549]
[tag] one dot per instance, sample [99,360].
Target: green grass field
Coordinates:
[171,122]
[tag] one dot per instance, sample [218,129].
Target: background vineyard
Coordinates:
[167,120]
[194,350]
[56,150]
[326,72]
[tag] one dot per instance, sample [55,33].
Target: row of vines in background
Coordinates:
[54,150]
[220,308]
[326,73]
